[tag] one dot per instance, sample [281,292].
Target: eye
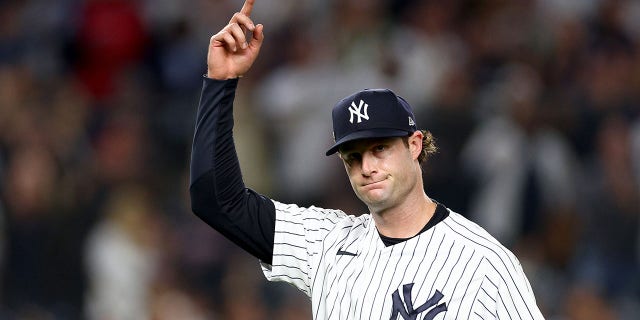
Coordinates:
[380,147]
[351,157]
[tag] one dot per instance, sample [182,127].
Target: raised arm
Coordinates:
[218,194]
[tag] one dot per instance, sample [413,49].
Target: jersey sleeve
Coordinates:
[299,238]
[218,194]
[505,292]
[515,298]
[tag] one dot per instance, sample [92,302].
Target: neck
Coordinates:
[407,219]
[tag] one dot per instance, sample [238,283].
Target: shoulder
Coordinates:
[319,226]
[477,237]
[313,213]
[294,209]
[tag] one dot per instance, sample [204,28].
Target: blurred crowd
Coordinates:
[535,105]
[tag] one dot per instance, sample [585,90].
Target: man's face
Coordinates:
[382,171]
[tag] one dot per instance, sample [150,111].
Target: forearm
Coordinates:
[218,194]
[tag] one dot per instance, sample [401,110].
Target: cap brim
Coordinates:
[365,134]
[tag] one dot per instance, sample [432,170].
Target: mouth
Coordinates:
[372,183]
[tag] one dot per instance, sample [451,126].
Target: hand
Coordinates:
[230,55]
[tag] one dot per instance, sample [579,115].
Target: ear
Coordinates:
[415,144]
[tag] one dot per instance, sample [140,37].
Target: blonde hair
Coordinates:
[428,145]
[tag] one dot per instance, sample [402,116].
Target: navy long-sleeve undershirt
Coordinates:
[218,194]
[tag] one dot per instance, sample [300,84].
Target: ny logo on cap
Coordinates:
[353,109]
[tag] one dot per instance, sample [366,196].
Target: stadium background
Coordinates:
[535,105]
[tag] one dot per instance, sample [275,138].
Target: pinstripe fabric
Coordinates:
[454,270]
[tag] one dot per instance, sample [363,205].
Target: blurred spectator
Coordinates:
[121,148]
[122,256]
[297,96]
[605,77]
[635,149]
[450,119]
[522,166]
[423,51]
[241,289]
[173,304]
[29,184]
[584,303]
[609,259]
[110,37]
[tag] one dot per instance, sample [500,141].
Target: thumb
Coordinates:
[258,37]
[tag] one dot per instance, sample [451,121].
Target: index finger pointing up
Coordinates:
[247,7]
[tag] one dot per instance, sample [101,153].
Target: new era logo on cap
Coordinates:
[371,113]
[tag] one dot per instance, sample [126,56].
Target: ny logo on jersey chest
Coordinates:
[405,309]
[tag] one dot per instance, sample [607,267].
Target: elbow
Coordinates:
[198,204]
[215,207]
[203,203]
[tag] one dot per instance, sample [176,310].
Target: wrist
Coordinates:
[221,78]
[218,75]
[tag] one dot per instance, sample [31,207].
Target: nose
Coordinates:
[369,164]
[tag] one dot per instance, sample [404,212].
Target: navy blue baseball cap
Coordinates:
[371,113]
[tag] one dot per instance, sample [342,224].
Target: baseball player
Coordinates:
[409,258]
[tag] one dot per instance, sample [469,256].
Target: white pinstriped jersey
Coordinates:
[454,270]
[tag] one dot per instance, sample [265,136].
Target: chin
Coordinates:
[378,203]
[371,198]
